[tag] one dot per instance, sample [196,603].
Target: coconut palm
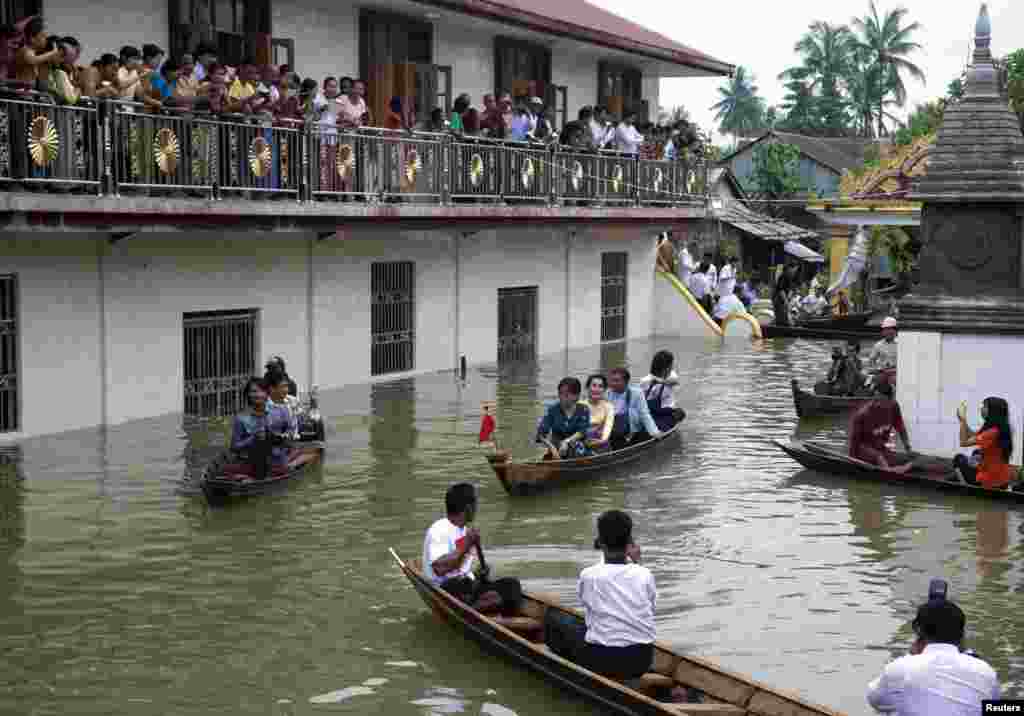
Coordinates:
[825,52]
[887,41]
[740,111]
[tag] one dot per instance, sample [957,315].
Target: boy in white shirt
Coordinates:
[448,558]
[619,598]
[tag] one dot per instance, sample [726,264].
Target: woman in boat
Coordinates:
[619,597]
[565,423]
[277,383]
[993,440]
[602,414]
[259,432]
[659,391]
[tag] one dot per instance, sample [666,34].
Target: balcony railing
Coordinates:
[115,148]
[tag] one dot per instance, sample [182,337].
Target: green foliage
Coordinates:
[776,170]
[1015,83]
[740,111]
[955,90]
[895,243]
[925,120]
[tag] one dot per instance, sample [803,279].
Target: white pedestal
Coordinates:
[937,371]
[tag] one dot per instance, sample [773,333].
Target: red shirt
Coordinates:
[993,472]
[873,424]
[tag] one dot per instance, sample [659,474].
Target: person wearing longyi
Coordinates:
[619,597]
[448,557]
[995,442]
[566,422]
[871,427]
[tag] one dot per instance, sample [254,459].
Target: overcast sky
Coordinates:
[760,35]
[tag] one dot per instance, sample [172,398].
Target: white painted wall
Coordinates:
[577,70]
[470,53]
[58,324]
[151,280]
[107,27]
[326,35]
[938,371]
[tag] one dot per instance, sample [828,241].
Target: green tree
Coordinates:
[825,52]
[955,90]
[1014,64]
[740,111]
[925,119]
[671,115]
[887,42]
[776,173]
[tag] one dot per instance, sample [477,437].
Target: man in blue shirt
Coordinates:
[633,421]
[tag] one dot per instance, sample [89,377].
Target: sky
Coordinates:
[760,36]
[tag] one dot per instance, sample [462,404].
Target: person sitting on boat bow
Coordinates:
[883,356]
[936,678]
[602,414]
[448,557]
[729,304]
[633,420]
[619,597]
[994,442]
[259,434]
[566,422]
[871,427]
[659,391]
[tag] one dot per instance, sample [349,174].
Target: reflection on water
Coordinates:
[121,591]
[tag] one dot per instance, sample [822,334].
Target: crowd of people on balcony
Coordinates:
[46,68]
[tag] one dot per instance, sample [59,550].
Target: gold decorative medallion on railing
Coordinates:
[413,164]
[134,138]
[345,160]
[691,180]
[527,173]
[285,163]
[659,177]
[43,141]
[166,150]
[476,169]
[617,178]
[260,157]
[577,175]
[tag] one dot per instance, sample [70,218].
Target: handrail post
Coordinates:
[305,142]
[555,177]
[636,180]
[107,182]
[503,172]
[447,169]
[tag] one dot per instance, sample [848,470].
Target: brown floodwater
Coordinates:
[122,592]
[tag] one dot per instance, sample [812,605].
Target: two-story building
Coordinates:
[136,283]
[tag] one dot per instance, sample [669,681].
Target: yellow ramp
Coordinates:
[692,319]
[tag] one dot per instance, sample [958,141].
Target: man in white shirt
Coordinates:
[712,272]
[935,679]
[685,263]
[700,287]
[727,278]
[884,354]
[626,136]
[731,303]
[814,304]
[600,132]
[448,558]
[619,597]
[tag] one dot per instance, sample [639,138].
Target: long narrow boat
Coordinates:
[218,484]
[821,458]
[850,322]
[866,333]
[522,478]
[521,638]
[812,405]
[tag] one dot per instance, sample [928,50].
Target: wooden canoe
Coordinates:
[849,322]
[522,478]
[821,458]
[812,405]
[217,485]
[866,333]
[521,638]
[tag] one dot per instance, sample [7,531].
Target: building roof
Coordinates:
[833,154]
[761,226]
[718,174]
[584,21]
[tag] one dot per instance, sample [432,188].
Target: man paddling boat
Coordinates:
[871,428]
[448,557]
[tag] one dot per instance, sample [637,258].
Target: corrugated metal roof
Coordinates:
[761,226]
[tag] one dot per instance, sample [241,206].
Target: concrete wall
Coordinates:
[326,35]
[108,26]
[937,372]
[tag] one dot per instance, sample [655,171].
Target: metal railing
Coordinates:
[112,147]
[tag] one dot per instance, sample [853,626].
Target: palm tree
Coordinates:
[740,110]
[825,50]
[887,42]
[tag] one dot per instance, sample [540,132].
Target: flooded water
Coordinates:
[122,592]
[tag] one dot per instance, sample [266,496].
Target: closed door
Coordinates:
[517,324]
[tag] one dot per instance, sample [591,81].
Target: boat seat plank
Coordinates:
[650,681]
[765,703]
[708,709]
[519,624]
[714,683]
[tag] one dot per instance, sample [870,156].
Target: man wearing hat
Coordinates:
[936,678]
[883,355]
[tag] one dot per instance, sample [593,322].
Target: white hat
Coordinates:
[536,100]
[889,322]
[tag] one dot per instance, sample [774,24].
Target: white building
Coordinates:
[118,304]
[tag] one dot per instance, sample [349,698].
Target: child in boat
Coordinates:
[618,596]
[659,391]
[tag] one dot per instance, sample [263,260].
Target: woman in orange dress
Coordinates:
[995,443]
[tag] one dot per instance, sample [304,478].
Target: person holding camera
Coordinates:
[937,678]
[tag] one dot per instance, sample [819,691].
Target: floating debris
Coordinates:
[336,697]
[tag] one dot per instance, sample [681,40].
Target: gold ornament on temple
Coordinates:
[260,157]
[43,141]
[166,150]
[476,169]
[346,159]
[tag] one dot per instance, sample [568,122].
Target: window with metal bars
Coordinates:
[221,354]
[392,317]
[517,324]
[9,407]
[613,295]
